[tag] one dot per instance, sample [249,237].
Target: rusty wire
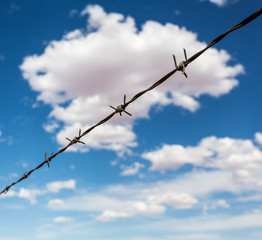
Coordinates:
[121,108]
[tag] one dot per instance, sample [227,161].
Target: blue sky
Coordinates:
[186,166]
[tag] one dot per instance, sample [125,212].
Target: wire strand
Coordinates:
[122,107]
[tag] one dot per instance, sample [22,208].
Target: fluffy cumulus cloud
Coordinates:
[108,136]
[80,74]
[240,157]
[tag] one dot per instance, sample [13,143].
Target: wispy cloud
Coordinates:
[131,200]
[62,219]
[73,13]
[221,222]
[122,201]
[7,139]
[256,197]
[131,170]
[51,126]
[55,202]
[32,194]
[13,8]
[55,187]
[8,238]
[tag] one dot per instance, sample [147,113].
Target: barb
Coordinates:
[47,160]
[182,65]
[121,108]
[24,176]
[75,139]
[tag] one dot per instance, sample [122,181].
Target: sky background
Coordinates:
[186,166]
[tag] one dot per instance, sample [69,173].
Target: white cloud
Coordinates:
[242,176]
[241,157]
[196,236]
[103,137]
[73,13]
[221,222]
[175,156]
[28,194]
[8,139]
[174,199]
[22,163]
[93,68]
[118,201]
[8,238]
[73,35]
[222,203]
[32,194]
[109,215]
[258,138]
[62,219]
[214,204]
[131,170]
[148,207]
[13,8]
[55,202]
[154,198]
[57,186]
[50,126]
[221,3]
[256,197]
[115,202]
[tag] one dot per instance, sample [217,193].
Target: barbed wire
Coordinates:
[121,108]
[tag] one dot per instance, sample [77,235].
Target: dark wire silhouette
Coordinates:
[121,108]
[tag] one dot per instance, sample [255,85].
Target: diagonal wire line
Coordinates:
[121,108]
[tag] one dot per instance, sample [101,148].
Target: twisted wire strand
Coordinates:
[123,106]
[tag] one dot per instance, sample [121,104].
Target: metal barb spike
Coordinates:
[185,54]
[76,139]
[175,61]
[121,108]
[125,99]
[182,66]
[47,160]
[24,176]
